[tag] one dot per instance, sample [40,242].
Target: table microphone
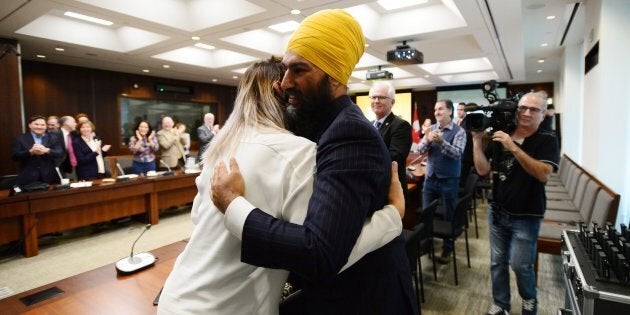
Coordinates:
[61,185]
[120,169]
[137,262]
[121,177]
[168,168]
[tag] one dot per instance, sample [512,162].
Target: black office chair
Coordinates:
[454,228]
[425,245]
[469,188]
[412,239]
[484,186]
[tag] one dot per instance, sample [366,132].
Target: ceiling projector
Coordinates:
[378,75]
[405,55]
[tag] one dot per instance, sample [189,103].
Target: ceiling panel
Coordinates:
[148,34]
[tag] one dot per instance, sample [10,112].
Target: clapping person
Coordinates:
[89,152]
[171,143]
[36,151]
[143,146]
[181,127]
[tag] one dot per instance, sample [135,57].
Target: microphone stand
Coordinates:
[134,263]
[169,172]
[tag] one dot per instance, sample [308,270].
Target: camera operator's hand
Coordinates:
[505,140]
[477,135]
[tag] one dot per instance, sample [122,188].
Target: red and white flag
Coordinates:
[415,131]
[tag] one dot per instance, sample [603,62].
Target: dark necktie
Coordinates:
[378,125]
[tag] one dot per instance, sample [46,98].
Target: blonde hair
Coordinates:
[256,105]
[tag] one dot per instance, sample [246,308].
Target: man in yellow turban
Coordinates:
[352,177]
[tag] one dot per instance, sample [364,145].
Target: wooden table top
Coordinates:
[102,291]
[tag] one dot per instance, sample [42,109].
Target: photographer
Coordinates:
[521,164]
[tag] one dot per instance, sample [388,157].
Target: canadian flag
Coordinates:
[415,132]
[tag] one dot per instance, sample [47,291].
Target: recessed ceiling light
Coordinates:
[544,44]
[550,17]
[145,70]
[234,77]
[426,75]
[295,11]
[397,4]
[538,71]
[195,38]
[285,27]
[204,46]
[367,45]
[59,49]
[214,80]
[541,60]
[166,66]
[41,56]
[88,18]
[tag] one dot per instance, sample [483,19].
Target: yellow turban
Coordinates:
[332,40]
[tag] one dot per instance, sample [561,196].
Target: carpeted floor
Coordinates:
[84,249]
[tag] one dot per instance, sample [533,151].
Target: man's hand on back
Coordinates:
[226,186]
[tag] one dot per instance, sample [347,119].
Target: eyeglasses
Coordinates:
[379,98]
[534,110]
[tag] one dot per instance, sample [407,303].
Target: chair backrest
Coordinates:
[579,190]
[573,181]
[471,183]
[426,214]
[564,176]
[426,217]
[562,164]
[586,206]
[412,239]
[601,207]
[460,217]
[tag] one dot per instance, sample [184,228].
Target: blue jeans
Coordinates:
[446,190]
[143,167]
[512,243]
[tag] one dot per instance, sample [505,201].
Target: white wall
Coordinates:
[599,138]
[571,102]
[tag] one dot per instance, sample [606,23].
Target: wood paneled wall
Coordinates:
[51,89]
[10,102]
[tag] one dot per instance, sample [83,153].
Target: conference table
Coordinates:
[99,291]
[26,216]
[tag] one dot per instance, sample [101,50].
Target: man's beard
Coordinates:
[308,118]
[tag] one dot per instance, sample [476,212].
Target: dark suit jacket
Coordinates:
[62,162]
[396,133]
[351,182]
[205,136]
[35,168]
[87,168]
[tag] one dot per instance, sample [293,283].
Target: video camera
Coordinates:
[499,115]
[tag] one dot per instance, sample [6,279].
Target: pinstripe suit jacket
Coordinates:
[351,182]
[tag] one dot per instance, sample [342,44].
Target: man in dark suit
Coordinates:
[68,161]
[351,182]
[205,132]
[36,151]
[396,132]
